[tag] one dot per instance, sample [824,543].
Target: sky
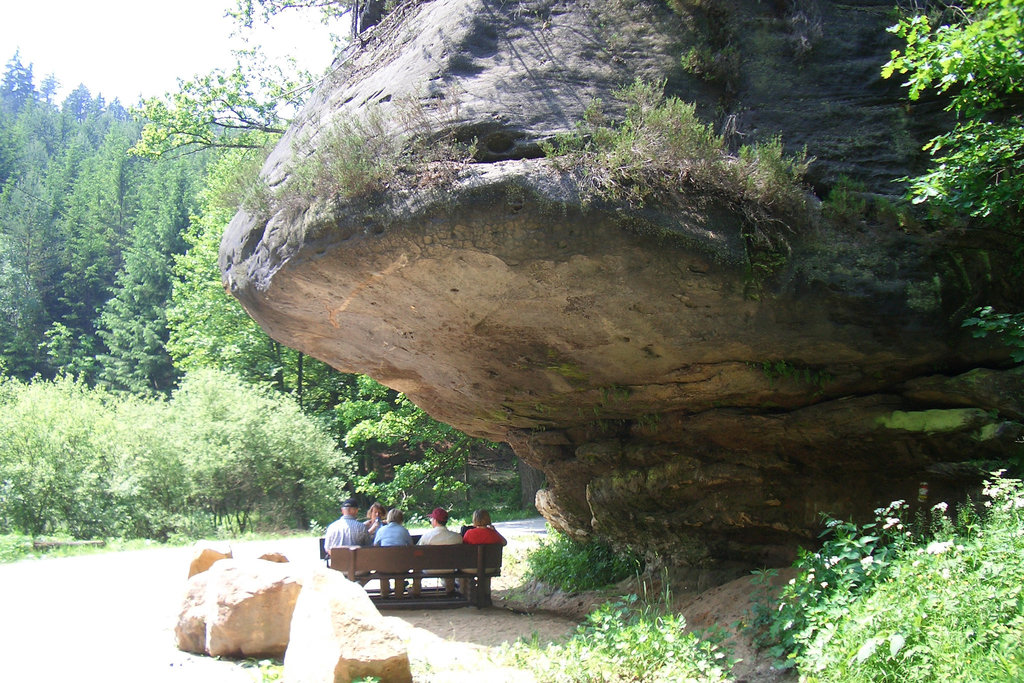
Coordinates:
[125,49]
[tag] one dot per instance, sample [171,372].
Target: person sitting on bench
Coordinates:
[393,534]
[347,530]
[483,532]
[439,534]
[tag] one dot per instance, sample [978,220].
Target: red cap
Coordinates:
[439,515]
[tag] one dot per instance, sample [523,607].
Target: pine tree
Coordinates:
[133,324]
[18,88]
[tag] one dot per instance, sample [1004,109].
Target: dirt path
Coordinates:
[111,617]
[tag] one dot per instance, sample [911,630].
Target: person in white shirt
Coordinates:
[439,534]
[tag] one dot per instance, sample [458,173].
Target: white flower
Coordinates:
[938,547]
[941,507]
[867,561]
[891,522]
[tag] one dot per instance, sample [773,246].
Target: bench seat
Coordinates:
[473,565]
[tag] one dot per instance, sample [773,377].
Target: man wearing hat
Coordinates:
[439,534]
[347,530]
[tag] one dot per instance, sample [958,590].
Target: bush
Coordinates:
[253,456]
[883,604]
[13,547]
[57,453]
[627,640]
[573,566]
[221,454]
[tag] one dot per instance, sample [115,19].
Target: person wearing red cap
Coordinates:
[439,534]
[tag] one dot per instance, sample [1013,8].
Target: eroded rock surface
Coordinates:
[675,398]
[338,635]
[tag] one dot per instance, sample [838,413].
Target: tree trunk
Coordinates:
[530,481]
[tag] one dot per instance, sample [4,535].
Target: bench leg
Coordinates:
[483,589]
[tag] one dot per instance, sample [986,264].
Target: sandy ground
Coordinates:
[111,617]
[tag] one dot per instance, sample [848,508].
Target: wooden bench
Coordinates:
[472,565]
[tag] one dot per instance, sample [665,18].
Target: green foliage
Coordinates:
[378,421]
[219,455]
[80,223]
[574,566]
[252,454]
[661,152]
[714,66]
[235,108]
[354,157]
[627,640]
[845,202]
[56,458]
[14,547]
[848,565]
[879,603]
[246,12]
[359,155]
[133,323]
[1008,327]
[978,61]
[780,369]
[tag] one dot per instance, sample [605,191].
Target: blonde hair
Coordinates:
[396,516]
[481,518]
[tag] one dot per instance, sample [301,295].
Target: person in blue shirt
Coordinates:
[392,534]
[347,530]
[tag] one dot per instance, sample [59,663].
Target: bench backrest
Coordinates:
[353,560]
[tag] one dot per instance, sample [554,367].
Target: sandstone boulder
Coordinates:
[682,392]
[205,553]
[273,557]
[190,629]
[337,635]
[239,609]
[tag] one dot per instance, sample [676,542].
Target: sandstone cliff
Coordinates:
[676,397]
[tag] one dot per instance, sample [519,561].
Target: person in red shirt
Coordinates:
[483,532]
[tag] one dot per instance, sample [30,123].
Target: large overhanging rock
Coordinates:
[676,399]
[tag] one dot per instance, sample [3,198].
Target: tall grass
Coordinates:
[662,153]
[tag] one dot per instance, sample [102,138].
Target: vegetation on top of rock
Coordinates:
[662,152]
[358,156]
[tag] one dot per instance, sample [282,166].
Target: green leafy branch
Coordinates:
[978,61]
[1008,327]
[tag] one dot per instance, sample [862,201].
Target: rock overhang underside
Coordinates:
[677,400]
